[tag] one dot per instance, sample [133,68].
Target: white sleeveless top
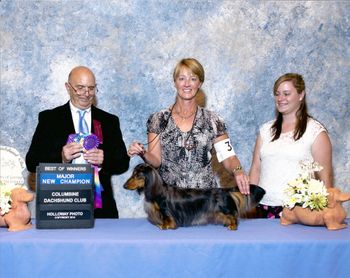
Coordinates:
[280,159]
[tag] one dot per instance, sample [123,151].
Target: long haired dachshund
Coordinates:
[170,207]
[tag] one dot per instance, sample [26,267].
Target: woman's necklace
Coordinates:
[190,144]
[184,118]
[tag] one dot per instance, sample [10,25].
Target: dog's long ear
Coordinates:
[239,200]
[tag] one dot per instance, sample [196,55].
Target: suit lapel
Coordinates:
[67,120]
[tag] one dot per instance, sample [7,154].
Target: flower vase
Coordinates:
[302,215]
[332,216]
[18,218]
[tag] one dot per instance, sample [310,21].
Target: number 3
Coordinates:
[229,146]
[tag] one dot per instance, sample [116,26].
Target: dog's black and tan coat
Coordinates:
[170,207]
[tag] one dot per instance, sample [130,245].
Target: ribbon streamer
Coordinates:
[98,189]
[88,142]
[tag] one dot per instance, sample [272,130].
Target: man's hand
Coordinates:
[71,151]
[94,156]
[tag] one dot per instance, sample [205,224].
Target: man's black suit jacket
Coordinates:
[51,135]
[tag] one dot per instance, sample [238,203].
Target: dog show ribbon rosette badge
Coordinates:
[89,142]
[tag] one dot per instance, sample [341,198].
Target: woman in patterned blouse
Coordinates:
[181,137]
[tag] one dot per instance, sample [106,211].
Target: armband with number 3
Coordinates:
[224,149]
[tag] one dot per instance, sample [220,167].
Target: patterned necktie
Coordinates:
[83,127]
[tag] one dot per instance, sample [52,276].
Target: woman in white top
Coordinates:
[282,143]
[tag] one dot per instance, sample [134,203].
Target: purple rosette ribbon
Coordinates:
[87,141]
[90,142]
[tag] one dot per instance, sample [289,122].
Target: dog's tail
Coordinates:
[245,203]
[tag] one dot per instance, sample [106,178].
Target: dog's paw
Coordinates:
[232,227]
[168,223]
[166,226]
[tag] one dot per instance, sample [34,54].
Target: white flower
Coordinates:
[306,191]
[316,187]
[5,197]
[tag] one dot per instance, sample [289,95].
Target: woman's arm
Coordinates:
[233,165]
[153,153]
[154,150]
[254,174]
[322,153]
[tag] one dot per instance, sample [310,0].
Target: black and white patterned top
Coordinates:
[185,167]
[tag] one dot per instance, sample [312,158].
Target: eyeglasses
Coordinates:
[80,89]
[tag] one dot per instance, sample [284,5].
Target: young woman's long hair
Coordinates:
[302,114]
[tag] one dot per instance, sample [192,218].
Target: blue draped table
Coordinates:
[135,248]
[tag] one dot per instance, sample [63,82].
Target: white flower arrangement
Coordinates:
[5,197]
[306,191]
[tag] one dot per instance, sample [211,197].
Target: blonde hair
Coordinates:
[191,64]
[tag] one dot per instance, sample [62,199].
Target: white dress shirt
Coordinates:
[75,115]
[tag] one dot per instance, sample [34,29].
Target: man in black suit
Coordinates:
[54,126]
